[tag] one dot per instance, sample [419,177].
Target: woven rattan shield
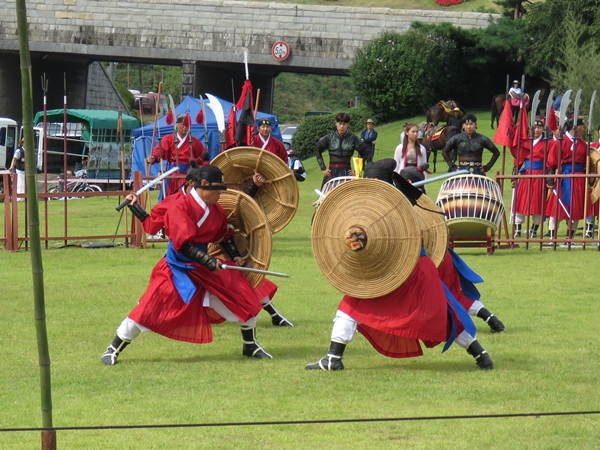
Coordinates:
[366,238]
[435,231]
[278,197]
[252,235]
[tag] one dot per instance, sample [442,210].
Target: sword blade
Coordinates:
[564,104]
[534,106]
[249,269]
[440,177]
[591,113]
[148,186]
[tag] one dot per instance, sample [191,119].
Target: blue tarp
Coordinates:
[142,137]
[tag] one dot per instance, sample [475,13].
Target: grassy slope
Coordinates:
[546,360]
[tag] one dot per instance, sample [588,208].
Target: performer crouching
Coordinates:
[187,286]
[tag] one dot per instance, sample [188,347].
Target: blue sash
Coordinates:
[179,268]
[536,164]
[463,317]
[565,183]
[467,276]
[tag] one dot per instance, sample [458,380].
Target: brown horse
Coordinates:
[437,113]
[498,107]
[432,146]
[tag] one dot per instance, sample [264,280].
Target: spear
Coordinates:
[573,153]
[547,134]
[37,270]
[587,159]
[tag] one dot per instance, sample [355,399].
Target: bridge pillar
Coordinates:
[10,86]
[217,79]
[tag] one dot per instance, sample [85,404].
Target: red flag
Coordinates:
[552,122]
[506,128]
[200,118]
[521,140]
[243,132]
[230,130]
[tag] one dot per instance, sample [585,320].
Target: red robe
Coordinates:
[395,323]
[562,187]
[173,155]
[162,309]
[450,278]
[523,204]
[273,145]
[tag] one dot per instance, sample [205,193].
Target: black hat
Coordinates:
[262,122]
[212,174]
[180,118]
[569,123]
[468,118]
[538,122]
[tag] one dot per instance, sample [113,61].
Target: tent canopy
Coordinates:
[96,118]
[143,144]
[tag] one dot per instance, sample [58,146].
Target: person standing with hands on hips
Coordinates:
[341,146]
[18,166]
[369,136]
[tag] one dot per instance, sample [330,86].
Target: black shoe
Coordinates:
[532,234]
[109,357]
[495,324]
[280,321]
[255,351]
[330,362]
[482,358]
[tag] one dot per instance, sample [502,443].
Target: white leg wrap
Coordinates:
[223,311]
[265,301]
[552,223]
[519,218]
[464,339]
[344,328]
[537,219]
[129,329]
[475,307]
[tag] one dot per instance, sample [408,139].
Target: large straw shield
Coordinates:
[433,225]
[278,197]
[252,235]
[366,238]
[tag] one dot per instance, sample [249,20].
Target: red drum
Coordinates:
[471,204]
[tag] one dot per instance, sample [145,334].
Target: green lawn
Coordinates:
[546,360]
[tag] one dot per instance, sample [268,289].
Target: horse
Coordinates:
[437,113]
[432,146]
[498,107]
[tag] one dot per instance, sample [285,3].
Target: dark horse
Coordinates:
[433,146]
[498,107]
[437,113]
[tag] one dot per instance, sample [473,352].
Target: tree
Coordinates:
[399,75]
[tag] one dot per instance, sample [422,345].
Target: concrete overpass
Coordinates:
[206,39]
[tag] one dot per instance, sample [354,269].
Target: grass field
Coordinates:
[546,360]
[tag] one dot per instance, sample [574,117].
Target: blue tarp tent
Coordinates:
[142,137]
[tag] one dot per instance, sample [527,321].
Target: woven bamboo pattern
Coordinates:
[252,235]
[278,197]
[435,231]
[392,238]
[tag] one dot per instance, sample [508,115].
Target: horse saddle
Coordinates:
[447,107]
[516,101]
[437,133]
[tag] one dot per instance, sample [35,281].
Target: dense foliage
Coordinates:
[400,74]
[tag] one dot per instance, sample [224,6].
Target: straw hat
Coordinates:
[366,238]
[278,197]
[252,235]
[433,225]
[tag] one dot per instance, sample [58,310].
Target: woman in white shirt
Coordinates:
[410,153]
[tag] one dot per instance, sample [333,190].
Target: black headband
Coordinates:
[211,187]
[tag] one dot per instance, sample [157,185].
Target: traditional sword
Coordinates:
[249,269]
[148,186]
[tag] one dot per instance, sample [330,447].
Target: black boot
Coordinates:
[495,324]
[589,230]
[517,230]
[331,361]
[483,360]
[533,232]
[251,348]
[109,357]
[277,319]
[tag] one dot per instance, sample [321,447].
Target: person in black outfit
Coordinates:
[456,119]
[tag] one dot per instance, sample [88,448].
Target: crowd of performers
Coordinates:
[189,291]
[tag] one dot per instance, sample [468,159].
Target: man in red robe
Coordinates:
[188,289]
[266,141]
[177,150]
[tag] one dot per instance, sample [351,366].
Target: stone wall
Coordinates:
[101,93]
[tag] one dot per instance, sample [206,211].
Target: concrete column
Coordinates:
[10,87]
[188,82]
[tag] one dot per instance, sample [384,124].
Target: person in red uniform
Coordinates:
[266,141]
[589,223]
[155,222]
[530,192]
[178,149]
[422,308]
[566,189]
[188,288]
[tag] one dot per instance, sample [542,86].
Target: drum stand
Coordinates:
[488,242]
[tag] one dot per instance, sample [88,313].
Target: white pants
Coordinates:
[553,226]
[129,329]
[520,218]
[344,329]
[20,183]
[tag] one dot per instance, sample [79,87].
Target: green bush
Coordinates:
[313,128]
[127,98]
